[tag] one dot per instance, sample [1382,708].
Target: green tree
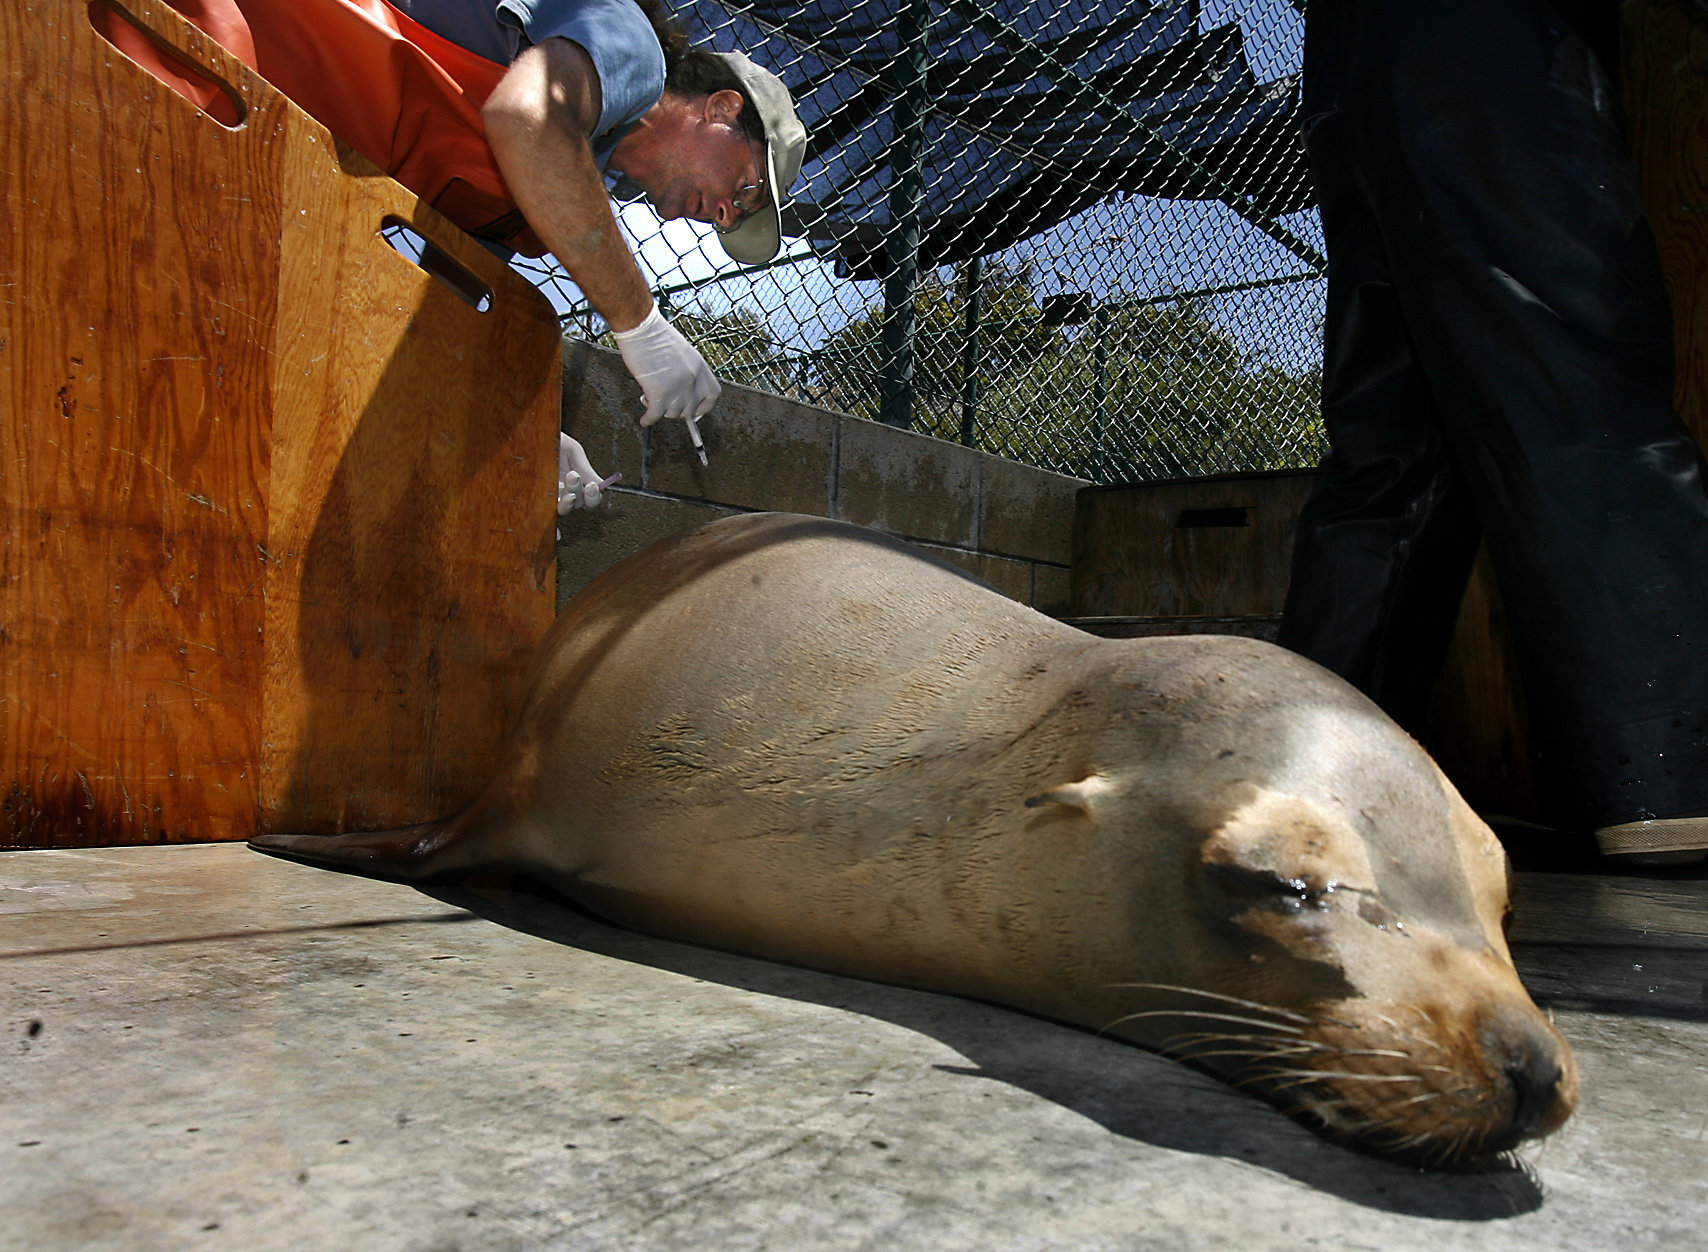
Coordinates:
[1012,335]
[739,345]
[1153,391]
[1127,391]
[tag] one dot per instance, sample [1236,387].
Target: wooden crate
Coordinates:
[277,504]
[1153,558]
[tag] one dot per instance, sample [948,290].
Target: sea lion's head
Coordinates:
[1338,946]
[1413,1036]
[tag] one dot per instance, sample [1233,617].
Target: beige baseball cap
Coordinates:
[758,237]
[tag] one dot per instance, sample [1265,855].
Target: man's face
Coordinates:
[716,173]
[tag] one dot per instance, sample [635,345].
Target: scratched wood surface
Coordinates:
[276,504]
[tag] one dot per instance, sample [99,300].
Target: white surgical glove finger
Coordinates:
[671,372]
[577,482]
[708,398]
[571,455]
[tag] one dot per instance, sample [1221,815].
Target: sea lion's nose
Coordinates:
[1535,1083]
[1538,1069]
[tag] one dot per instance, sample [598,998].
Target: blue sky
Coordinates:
[1133,247]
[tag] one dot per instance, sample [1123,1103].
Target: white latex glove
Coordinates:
[578,483]
[673,376]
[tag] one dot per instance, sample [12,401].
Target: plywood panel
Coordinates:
[1664,81]
[1208,546]
[134,445]
[411,574]
[276,503]
[1478,726]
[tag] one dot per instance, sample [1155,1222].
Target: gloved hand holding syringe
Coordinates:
[672,374]
[578,483]
[675,381]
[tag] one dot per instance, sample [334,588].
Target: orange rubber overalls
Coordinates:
[404,97]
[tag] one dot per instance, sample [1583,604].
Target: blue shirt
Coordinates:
[614,33]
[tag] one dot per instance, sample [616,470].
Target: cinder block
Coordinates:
[596,539]
[762,452]
[907,484]
[1028,512]
[958,557]
[1052,589]
[601,409]
[1012,578]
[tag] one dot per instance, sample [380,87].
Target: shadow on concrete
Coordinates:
[1130,1092]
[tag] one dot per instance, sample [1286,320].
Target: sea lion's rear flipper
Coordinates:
[412,854]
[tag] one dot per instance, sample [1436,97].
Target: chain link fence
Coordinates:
[1076,233]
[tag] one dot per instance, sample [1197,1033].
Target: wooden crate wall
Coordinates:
[277,505]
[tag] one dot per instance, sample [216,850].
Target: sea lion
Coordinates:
[804,740]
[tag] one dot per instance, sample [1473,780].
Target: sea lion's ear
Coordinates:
[1081,795]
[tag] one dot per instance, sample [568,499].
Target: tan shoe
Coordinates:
[1658,841]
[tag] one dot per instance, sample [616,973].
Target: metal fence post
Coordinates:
[907,194]
[962,169]
[972,290]
[1100,365]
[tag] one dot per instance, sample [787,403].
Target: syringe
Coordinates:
[694,438]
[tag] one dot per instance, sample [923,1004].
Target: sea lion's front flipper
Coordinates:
[412,854]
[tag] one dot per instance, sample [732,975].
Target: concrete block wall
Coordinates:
[1007,523]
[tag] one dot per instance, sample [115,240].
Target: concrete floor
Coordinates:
[208,1048]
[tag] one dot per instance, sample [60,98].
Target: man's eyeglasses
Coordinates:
[748,200]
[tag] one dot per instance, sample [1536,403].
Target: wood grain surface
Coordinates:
[1207,546]
[1664,82]
[276,503]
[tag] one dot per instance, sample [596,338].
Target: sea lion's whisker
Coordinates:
[1411,1143]
[1316,1075]
[1256,1051]
[1206,1015]
[1193,1047]
[1421,1098]
[1217,1036]
[1384,1124]
[1454,1148]
[1248,1053]
[1323,1110]
[1460,1145]
[1407,1031]
[1318,1045]
[1213,995]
